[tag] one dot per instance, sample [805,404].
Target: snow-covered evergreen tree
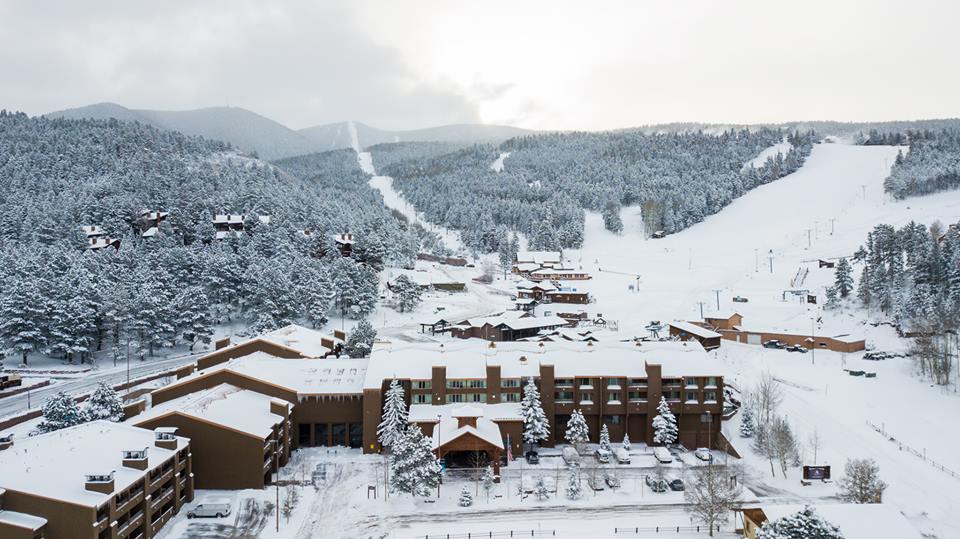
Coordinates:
[806,524]
[844,278]
[540,489]
[22,315]
[664,424]
[59,412]
[577,432]
[536,428]
[407,292]
[414,469]
[488,481]
[104,403]
[394,420]
[194,321]
[626,442]
[604,437]
[574,487]
[466,498]
[746,422]
[360,340]
[861,482]
[611,217]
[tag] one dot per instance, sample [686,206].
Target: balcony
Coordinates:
[133,500]
[164,498]
[154,483]
[613,387]
[586,387]
[134,521]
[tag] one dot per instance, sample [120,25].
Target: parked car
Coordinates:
[570,455]
[656,485]
[703,453]
[774,343]
[212,509]
[595,483]
[739,299]
[797,348]
[602,455]
[611,480]
[676,485]
[532,457]
[662,454]
[622,455]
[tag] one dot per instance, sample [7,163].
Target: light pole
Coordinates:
[756,260]
[813,341]
[770,256]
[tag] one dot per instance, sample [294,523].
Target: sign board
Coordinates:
[816,472]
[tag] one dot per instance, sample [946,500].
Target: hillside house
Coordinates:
[729,327]
[558,274]
[97,238]
[526,262]
[236,224]
[687,331]
[344,243]
[508,326]
[150,222]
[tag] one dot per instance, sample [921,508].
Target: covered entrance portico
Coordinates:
[465,434]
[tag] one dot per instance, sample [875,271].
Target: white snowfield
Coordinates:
[761,158]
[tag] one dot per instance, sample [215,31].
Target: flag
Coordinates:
[509,449]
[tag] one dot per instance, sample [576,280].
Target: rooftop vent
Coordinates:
[166,437]
[136,458]
[102,483]
[523,360]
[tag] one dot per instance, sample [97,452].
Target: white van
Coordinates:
[622,456]
[570,455]
[662,455]
[603,456]
[210,509]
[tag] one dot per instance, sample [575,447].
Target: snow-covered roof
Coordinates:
[425,277]
[469,358]
[447,426]
[265,219]
[345,239]
[694,329]
[558,271]
[526,266]
[427,413]
[856,521]
[524,301]
[53,465]
[530,285]
[539,257]
[150,232]
[92,230]
[721,315]
[225,405]
[220,234]
[228,219]
[153,215]
[308,342]
[516,320]
[304,376]
[21,520]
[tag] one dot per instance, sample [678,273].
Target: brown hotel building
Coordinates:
[617,384]
[98,480]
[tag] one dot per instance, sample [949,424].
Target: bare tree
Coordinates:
[815,443]
[713,495]
[769,396]
[861,482]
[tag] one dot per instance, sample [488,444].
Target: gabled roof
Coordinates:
[226,405]
[694,329]
[303,376]
[539,257]
[447,429]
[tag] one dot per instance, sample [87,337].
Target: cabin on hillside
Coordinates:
[686,331]
[344,243]
[149,222]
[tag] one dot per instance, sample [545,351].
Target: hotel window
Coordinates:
[692,396]
[692,382]
[454,397]
[638,396]
[510,382]
[638,381]
[612,419]
[563,382]
[672,395]
[421,398]
[476,397]
[456,384]
[613,396]
[712,381]
[586,398]
[509,397]
[613,383]
[422,384]
[563,396]
[585,381]
[477,384]
[710,396]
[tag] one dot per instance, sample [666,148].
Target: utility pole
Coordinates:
[690,260]
[770,256]
[863,189]
[756,260]
[808,237]
[813,337]
[832,221]
[701,308]
[717,292]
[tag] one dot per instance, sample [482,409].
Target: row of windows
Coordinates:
[564,396]
[569,382]
[468,384]
[563,382]
[424,398]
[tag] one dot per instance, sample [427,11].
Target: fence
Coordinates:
[478,535]
[904,447]
[668,529]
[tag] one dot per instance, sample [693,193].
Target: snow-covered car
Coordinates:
[739,299]
[602,455]
[532,457]
[703,453]
[774,343]
[622,455]
[675,485]
[662,454]
[656,485]
[611,480]
[570,455]
[797,348]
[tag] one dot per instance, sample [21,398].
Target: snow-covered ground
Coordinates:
[761,158]
[497,166]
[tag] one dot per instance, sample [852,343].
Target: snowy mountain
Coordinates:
[337,135]
[243,129]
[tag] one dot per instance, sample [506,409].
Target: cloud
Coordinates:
[301,64]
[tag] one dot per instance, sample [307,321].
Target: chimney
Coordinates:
[102,483]
[136,459]
[342,335]
[6,441]
[165,437]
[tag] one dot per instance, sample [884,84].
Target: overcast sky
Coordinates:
[552,65]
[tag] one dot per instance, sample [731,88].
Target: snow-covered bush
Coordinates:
[806,524]
[466,498]
[104,403]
